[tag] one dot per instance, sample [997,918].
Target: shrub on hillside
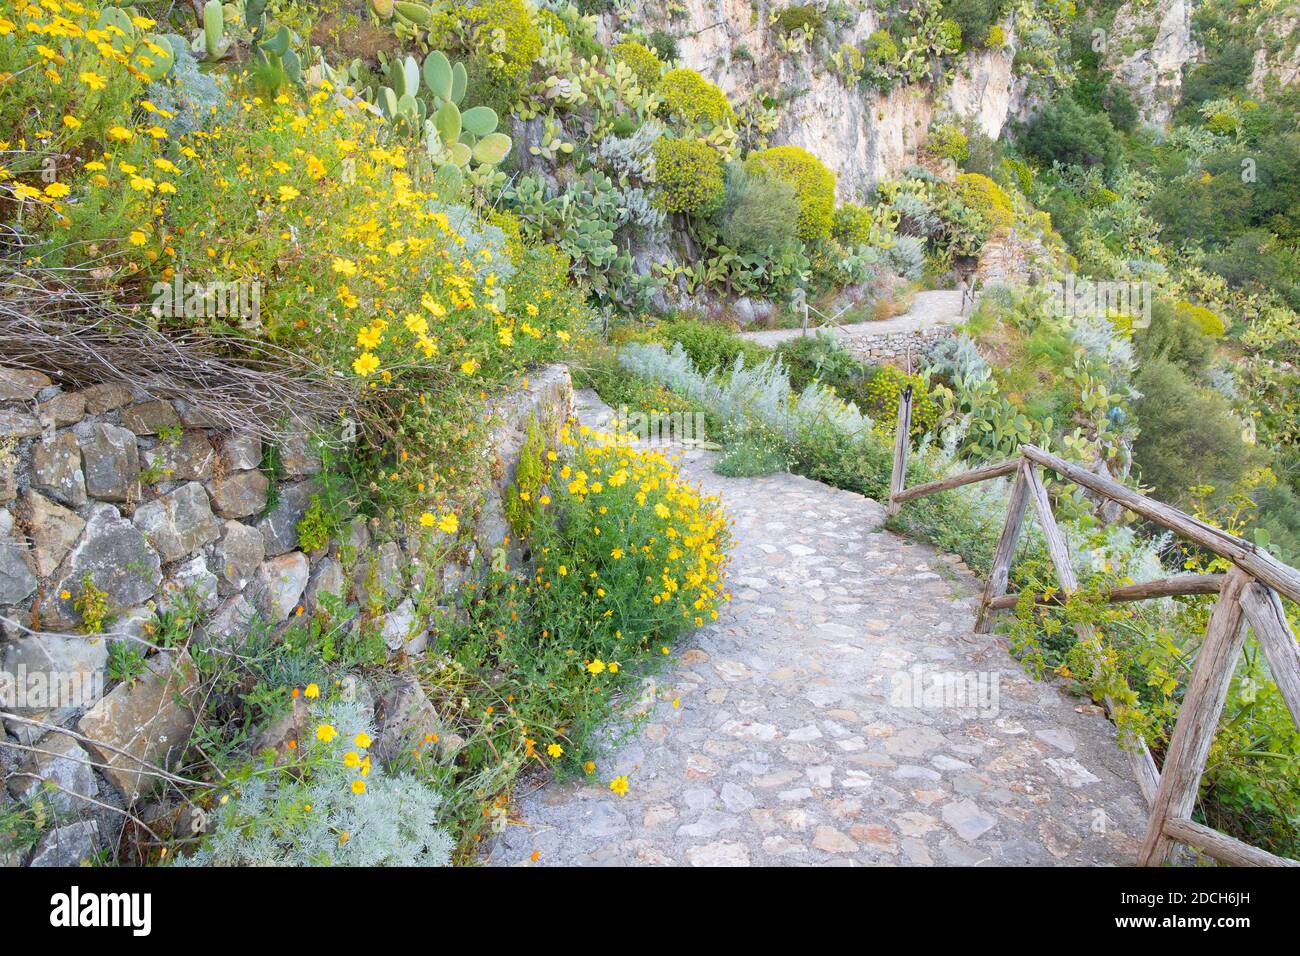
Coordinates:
[760,214]
[689,176]
[975,18]
[852,224]
[504,33]
[1065,132]
[1189,436]
[711,345]
[814,185]
[693,100]
[644,63]
[987,198]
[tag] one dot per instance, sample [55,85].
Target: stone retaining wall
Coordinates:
[110,492]
[897,348]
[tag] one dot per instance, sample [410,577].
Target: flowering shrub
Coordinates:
[814,185]
[504,32]
[694,101]
[987,198]
[335,808]
[643,62]
[361,266]
[689,175]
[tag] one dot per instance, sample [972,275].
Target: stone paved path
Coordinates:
[788,732]
[939,307]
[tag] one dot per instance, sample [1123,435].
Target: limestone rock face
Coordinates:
[239,495]
[67,846]
[57,672]
[17,580]
[65,765]
[860,138]
[239,554]
[190,458]
[280,583]
[20,384]
[1153,72]
[52,527]
[280,525]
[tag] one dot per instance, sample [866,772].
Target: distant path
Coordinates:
[788,731]
[942,307]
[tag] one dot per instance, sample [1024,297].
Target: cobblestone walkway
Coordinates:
[810,724]
[931,308]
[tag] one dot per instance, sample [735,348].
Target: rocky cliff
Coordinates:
[861,136]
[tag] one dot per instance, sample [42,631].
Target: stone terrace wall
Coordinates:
[897,348]
[145,500]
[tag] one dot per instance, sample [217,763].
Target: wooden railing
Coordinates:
[1248,595]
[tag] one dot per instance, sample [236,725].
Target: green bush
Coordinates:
[710,344]
[693,100]
[1189,437]
[975,18]
[1065,132]
[689,176]
[752,451]
[506,32]
[881,49]
[644,63]
[947,141]
[987,198]
[760,214]
[852,224]
[664,44]
[802,16]
[814,185]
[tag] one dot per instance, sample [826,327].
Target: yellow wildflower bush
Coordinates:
[628,553]
[814,185]
[355,262]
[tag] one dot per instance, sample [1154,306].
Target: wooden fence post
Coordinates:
[1189,747]
[996,585]
[902,445]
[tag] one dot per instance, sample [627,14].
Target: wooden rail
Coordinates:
[1249,596]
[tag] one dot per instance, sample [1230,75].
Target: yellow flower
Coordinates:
[138,238]
[589,767]
[121,133]
[613,667]
[288,194]
[416,324]
[427,520]
[326,733]
[312,692]
[94,81]
[362,740]
[358,786]
[616,553]
[71,122]
[365,364]
[596,667]
[352,759]
[555,751]
[369,338]
[57,190]
[449,523]
[619,785]
[470,367]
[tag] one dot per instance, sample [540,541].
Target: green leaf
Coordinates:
[214,27]
[458,81]
[278,44]
[460,154]
[493,148]
[479,120]
[437,74]
[447,120]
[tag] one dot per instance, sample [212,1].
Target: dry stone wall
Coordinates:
[108,492]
